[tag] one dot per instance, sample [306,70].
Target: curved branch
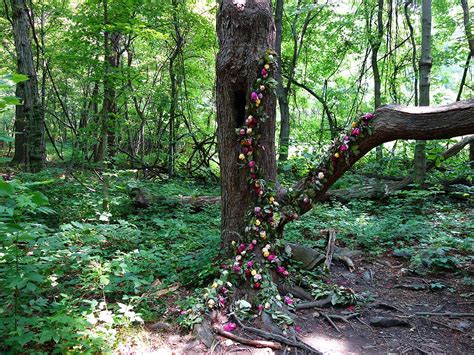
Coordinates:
[392,122]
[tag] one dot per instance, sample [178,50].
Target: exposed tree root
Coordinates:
[279,338]
[252,342]
[319,303]
[296,291]
[331,322]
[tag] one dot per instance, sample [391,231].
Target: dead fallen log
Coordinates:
[142,198]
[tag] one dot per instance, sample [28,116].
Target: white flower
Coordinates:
[320,175]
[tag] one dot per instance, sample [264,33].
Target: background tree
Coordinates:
[29,119]
[425,70]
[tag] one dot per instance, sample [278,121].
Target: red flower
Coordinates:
[230,327]
[257,285]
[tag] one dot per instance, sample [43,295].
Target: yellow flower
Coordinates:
[266,66]
[336,155]
[266,254]
[257,103]
[271,199]
[241,156]
[263,234]
[214,285]
[253,272]
[354,124]
[257,222]
[249,130]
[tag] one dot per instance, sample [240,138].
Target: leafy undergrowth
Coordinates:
[73,278]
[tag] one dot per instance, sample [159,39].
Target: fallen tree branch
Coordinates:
[445,314]
[391,122]
[252,342]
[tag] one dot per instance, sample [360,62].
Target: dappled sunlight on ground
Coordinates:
[327,344]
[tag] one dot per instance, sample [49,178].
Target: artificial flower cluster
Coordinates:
[356,132]
[262,219]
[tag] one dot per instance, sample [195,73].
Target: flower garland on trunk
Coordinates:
[260,255]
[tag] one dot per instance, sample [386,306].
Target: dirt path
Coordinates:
[379,281]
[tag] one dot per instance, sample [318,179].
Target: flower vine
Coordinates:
[259,255]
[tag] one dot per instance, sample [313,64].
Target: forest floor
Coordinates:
[396,294]
[147,261]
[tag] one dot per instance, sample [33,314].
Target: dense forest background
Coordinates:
[107,178]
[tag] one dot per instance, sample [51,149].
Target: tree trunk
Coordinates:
[413,49]
[29,120]
[109,110]
[470,39]
[425,70]
[375,44]
[245,30]
[174,90]
[282,94]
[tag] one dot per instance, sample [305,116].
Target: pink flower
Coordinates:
[221,301]
[260,96]
[254,241]
[271,257]
[298,328]
[257,209]
[236,268]
[183,312]
[264,72]
[346,138]
[288,300]
[260,307]
[254,96]
[252,164]
[249,263]
[350,308]
[368,116]
[280,269]
[343,147]
[230,327]
[285,273]
[251,247]
[242,132]
[356,131]
[224,290]
[241,248]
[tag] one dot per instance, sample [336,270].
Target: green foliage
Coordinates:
[70,285]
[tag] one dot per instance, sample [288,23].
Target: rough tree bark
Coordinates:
[245,29]
[425,70]
[29,120]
